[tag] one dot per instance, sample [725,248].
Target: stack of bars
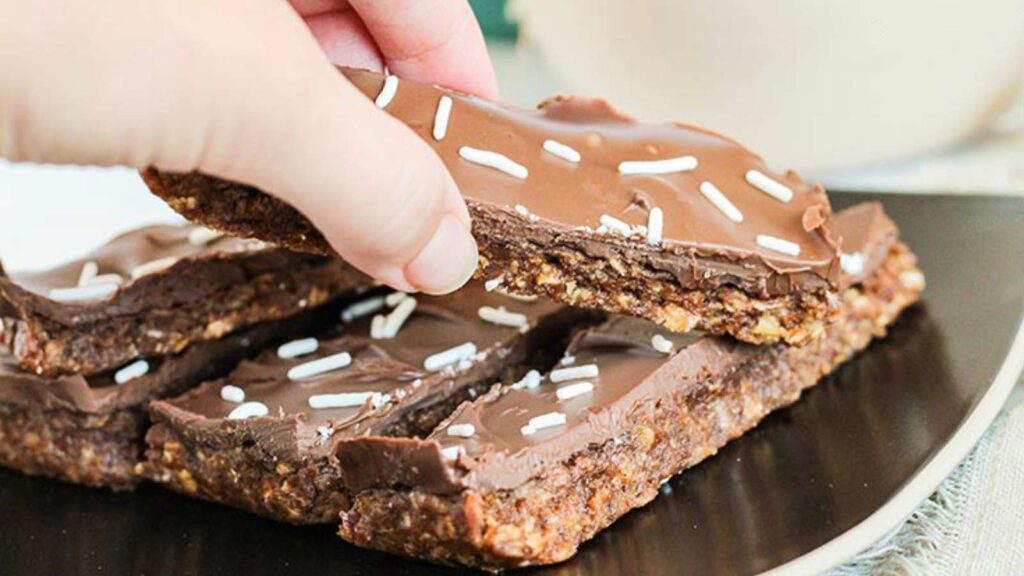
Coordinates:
[87,345]
[477,428]
[645,295]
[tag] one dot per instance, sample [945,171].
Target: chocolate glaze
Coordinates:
[100,394]
[569,196]
[25,294]
[865,229]
[632,376]
[388,366]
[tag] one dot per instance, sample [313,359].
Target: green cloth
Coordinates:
[491,14]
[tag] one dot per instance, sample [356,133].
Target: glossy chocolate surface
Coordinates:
[573,196]
[100,393]
[393,368]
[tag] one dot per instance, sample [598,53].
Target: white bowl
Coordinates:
[808,83]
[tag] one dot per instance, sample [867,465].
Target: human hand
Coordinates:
[246,90]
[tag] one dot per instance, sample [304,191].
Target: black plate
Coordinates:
[857,452]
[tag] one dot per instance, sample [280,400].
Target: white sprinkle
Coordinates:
[394,321]
[82,293]
[345,400]
[153,266]
[655,225]
[852,264]
[525,212]
[501,317]
[493,283]
[549,420]
[114,279]
[201,236]
[132,371]
[452,452]
[615,225]
[444,112]
[297,348]
[768,186]
[377,326]
[249,410]
[320,366]
[661,344]
[449,356]
[530,380]
[521,297]
[462,430]
[392,300]
[715,196]
[324,432]
[362,308]
[567,360]
[494,160]
[562,151]
[666,166]
[573,390]
[387,92]
[231,393]
[574,373]
[778,244]
[89,271]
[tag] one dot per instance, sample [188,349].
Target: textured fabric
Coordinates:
[973,524]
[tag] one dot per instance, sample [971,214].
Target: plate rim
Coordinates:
[892,514]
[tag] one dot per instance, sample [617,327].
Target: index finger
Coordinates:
[438,42]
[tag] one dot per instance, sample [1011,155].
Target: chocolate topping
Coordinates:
[865,232]
[390,371]
[100,394]
[152,292]
[632,374]
[121,256]
[572,196]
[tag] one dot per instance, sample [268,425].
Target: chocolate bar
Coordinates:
[89,429]
[261,438]
[582,204]
[526,473]
[152,292]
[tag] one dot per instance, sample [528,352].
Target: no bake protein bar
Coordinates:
[261,438]
[526,473]
[152,292]
[90,429]
[577,202]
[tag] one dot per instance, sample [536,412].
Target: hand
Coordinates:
[246,90]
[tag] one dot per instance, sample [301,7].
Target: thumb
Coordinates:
[241,90]
[378,193]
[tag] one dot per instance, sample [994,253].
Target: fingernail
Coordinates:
[446,262]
